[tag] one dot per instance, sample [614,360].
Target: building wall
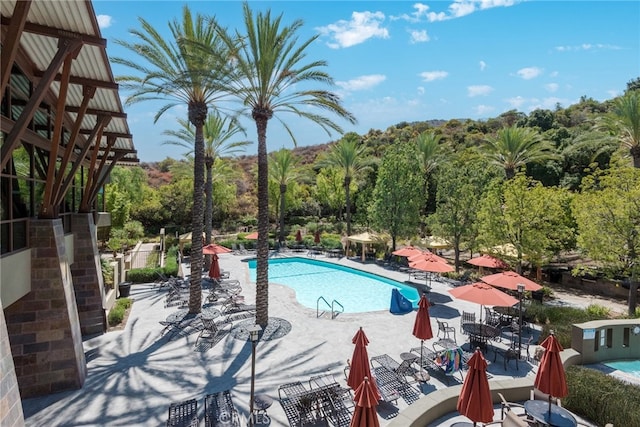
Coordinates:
[10,404]
[604,340]
[15,276]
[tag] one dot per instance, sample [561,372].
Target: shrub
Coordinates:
[595,310]
[116,315]
[601,398]
[107,272]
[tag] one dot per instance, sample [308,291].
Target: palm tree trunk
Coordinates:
[197,116]
[347,195]
[208,212]
[283,190]
[635,154]
[262,252]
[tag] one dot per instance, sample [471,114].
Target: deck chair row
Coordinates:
[219,410]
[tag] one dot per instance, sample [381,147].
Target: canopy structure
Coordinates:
[365,239]
[436,242]
[186,238]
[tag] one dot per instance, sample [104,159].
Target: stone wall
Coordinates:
[43,326]
[10,404]
[87,276]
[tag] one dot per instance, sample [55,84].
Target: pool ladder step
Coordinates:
[335,307]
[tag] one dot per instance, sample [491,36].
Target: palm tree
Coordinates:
[217,133]
[514,147]
[625,117]
[352,159]
[283,169]
[430,154]
[269,80]
[173,71]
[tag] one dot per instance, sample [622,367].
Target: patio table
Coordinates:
[480,333]
[556,417]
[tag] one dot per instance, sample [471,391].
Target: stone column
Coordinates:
[11,414]
[43,326]
[87,275]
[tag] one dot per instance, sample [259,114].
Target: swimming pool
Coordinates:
[356,290]
[631,367]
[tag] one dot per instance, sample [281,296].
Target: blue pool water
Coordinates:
[356,290]
[631,367]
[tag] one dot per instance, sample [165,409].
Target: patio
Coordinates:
[134,374]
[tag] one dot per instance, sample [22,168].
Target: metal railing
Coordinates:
[334,311]
[318,313]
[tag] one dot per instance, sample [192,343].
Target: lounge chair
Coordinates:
[442,361]
[335,401]
[299,404]
[210,329]
[220,411]
[183,414]
[402,370]
[388,384]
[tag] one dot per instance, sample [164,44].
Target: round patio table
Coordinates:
[480,333]
[556,416]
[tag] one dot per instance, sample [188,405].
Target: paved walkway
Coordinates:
[134,374]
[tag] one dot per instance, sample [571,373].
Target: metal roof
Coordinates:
[48,20]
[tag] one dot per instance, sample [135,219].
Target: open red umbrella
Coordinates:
[430,263]
[316,237]
[252,236]
[359,368]
[298,236]
[428,255]
[510,280]
[407,251]
[475,400]
[483,294]
[366,399]
[551,378]
[422,325]
[213,248]
[214,269]
[488,261]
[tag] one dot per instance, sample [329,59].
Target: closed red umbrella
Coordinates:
[366,399]
[298,236]
[475,400]
[359,368]
[214,269]
[316,237]
[551,378]
[511,280]
[213,248]
[422,325]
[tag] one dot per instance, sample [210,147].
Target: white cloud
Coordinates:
[551,87]
[429,76]
[420,90]
[362,82]
[587,46]
[529,73]
[613,93]
[419,36]
[420,12]
[460,8]
[483,65]
[483,110]
[479,90]
[104,21]
[361,27]
[516,102]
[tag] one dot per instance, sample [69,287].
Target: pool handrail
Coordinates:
[318,314]
[334,313]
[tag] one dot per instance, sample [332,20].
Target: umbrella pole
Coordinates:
[421,345]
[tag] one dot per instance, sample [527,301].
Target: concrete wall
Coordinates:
[15,277]
[604,340]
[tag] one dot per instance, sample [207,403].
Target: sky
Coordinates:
[397,61]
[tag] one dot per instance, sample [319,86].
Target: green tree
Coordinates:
[514,147]
[176,71]
[624,122]
[329,190]
[607,213]
[217,133]
[353,160]
[460,184]
[283,170]
[397,196]
[536,220]
[430,153]
[270,79]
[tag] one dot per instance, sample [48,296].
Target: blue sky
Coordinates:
[396,61]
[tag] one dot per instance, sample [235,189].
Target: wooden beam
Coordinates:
[96,112]
[65,48]
[11,42]
[116,134]
[59,33]
[93,181]
[83,81]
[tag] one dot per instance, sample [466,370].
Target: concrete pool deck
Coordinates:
[134,374]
